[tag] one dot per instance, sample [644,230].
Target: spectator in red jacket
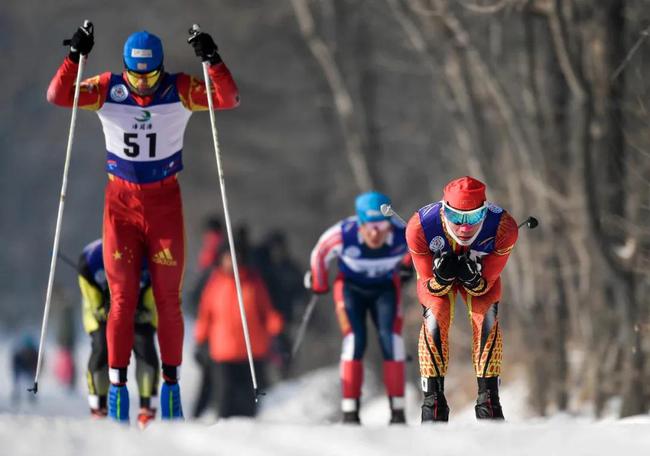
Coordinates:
[219,326]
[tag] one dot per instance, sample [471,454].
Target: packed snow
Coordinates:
[298,417]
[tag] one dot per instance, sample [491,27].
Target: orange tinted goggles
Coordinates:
[143,79]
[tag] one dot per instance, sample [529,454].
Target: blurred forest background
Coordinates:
[546,101]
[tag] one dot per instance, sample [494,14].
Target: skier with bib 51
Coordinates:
[144,112]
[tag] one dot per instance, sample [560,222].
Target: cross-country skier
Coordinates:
[144,112]
[95,309]
[370,249]
[23,365]
[460,245]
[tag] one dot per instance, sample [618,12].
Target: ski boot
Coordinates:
[170,401]
[118,403]
[434,406]
[487,405]
[350,409]
[99,413]
[397,410]
[98,407]
[146,415]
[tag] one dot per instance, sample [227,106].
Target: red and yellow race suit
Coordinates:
[427,233]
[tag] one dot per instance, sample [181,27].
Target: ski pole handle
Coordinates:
[194,31]
[388,211]
[87,28]
[531,223]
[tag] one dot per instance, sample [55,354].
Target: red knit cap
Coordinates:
[465,193]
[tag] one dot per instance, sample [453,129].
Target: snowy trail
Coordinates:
[23,435]
[296,419]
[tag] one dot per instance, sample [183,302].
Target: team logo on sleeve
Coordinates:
[353,252]
[119,93]
[100,277]
[494,208]
[436,244]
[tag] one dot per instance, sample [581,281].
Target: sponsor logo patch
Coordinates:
[352,252]
[119,92]
[144,117]
[494,208]
[100,276]
[141,53]
[373,213]
[164,257]
[436,244]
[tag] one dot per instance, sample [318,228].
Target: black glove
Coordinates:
[405,273]
[469,273]
[445,267]
[81,42]
[205,47]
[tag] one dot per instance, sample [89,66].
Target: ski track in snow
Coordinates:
[297,418]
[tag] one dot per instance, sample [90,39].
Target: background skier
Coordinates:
[95,309]
[23,367]
[370,249]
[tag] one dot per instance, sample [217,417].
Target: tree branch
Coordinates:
[342,99]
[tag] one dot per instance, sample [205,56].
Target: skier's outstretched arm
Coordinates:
[329,246]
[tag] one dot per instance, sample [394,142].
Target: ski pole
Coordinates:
[303,324]
[87,27]
[388,211]
[194,32]
[67,260]
[531,223]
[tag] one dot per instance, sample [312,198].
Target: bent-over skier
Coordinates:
[371,250]
[96,302]
[460,245]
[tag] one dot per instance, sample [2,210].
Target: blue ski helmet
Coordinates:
[368,206]
[143,52]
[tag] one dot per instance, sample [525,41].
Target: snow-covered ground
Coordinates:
[297,418]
